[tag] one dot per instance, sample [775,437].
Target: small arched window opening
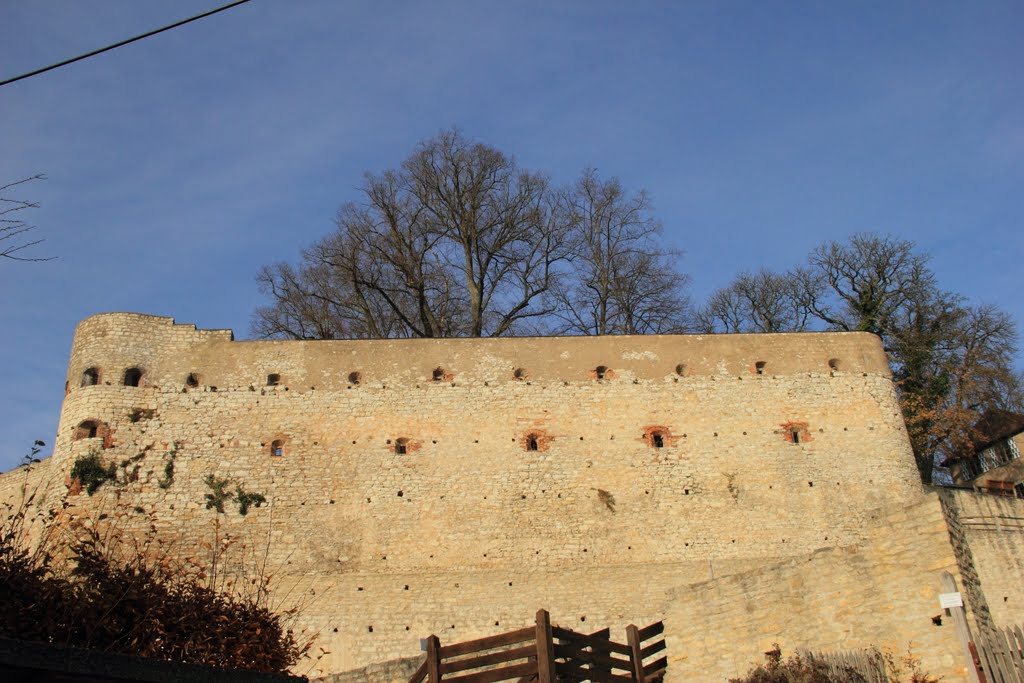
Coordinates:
[833,364]
[90,377]
[133,377]
[438,374]
[519,374]
[192,381]
[657,439]
[532,443]
[87,429]
[794,434]
[600,372]
[355,377]
[401,446]
[759,367]
[277,448]
[273,379]
[681,369]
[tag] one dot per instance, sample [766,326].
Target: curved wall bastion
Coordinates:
[454,486]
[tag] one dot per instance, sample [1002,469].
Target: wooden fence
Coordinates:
[1001,655]
[548,654]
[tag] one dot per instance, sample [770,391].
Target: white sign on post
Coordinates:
[947,600]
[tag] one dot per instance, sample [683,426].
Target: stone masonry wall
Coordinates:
[882,592]
[988,537]
[660,461]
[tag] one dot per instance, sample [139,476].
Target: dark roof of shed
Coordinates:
[995,425]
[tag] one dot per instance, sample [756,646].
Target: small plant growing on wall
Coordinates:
[246,499]
[139,414]
[168,478]
[731,486]
[90,472]
[219,495]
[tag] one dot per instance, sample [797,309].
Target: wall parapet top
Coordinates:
[169,353]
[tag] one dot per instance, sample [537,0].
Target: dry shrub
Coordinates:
[103,588]
[794,669]
[906,668]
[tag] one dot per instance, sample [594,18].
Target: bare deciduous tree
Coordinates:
[764,301]
[459,241]
[951,361]
[864,284]
[14,229]
[624,281]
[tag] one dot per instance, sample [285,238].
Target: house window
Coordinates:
[438,374]
[998,454]
[970,468]
[759,367]
[133,377]
[795,434]
[531,443]
[681,369]
[600,372]
[192,380]
[833,364]
[354,378]
[401,446]
[90,377]
[273,379]
[519,374]
[277,448]
[657,439]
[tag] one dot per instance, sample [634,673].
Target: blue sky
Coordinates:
[180,164]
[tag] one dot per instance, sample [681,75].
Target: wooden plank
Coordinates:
[545,648]
[600,643]
[963,631]
[1003,659]
[1015,637]
[433,659]
[420,674]
[636,657]
[505,673]
[570,651]
[995,665]
[654,667]
[575,672]
[984,654]
[648,632]
[509,638]
[490,659]
[656,646]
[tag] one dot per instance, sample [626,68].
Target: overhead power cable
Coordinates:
[123,42]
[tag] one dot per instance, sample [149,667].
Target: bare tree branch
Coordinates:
[13,228]
[623,280]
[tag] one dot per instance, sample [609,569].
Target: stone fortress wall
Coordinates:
[455,486]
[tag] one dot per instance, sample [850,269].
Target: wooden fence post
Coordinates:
[545,649]
[963,631]
[633,640]
[434,659]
